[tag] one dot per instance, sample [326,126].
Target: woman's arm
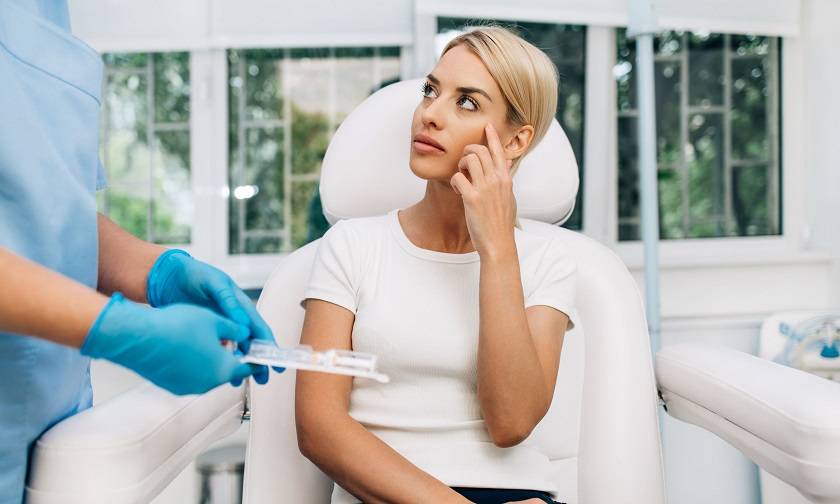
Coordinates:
[340,446]
[518,352]
[124,261]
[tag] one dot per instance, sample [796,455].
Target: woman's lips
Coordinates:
[427,145]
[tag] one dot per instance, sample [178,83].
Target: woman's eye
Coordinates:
[428,90]
[467,103]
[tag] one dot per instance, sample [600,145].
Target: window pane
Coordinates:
[749,109]
[705,70]
[668,89]
[172,87]
[284,106]
[750,184]
[717,100]
[146,145]
[172,203]
[705,171]
[566,46]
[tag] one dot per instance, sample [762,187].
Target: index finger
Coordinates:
[494,143]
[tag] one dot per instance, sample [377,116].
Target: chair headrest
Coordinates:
[366,167]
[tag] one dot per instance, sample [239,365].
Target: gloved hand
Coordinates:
[178,278]
[177,347]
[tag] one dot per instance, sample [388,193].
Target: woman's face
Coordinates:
[459,98]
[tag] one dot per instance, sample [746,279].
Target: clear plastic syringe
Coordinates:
[343,362]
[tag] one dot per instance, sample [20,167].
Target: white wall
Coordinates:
[822,167]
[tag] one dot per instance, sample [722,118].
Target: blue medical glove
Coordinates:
[178,347]
[178,278]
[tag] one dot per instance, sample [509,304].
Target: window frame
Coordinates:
[210,151]
[209,158]
[722,251]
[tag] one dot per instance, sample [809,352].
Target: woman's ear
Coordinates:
[519,141]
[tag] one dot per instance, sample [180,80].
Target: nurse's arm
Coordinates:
[37,301]
[124,261]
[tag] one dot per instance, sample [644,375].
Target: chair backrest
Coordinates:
[601,432]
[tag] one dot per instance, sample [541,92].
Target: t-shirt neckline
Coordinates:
[426,254]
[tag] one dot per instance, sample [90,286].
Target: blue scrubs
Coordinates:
[50,84]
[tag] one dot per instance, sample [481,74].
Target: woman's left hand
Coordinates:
[489,204]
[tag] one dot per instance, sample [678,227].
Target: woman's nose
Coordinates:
[432,116]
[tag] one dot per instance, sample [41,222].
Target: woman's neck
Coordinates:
[437,222]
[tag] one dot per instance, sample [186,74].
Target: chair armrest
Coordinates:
[129,448]
[785,420]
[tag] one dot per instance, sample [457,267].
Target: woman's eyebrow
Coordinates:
[467,90]
[472,90]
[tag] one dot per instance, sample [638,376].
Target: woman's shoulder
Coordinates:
[539,252]
[357,225]
[358,231]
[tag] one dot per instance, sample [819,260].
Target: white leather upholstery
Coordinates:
[612,380]
[786,420]
[365,170]
[603,420]
[127,449]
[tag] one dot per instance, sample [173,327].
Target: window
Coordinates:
[566,46]
[146,145]
[717,106]
[284,105]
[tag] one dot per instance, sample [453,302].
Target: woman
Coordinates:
[466,312]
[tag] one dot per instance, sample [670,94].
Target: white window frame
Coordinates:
[209,150]
[600,199]
[209,157]
[725,251]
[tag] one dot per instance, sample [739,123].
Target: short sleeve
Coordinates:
[555,282]
[333,276]
[101,179]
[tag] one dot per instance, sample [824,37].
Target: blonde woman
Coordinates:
[466,312]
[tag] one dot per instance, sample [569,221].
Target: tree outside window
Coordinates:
[145,139]
[284,106]
[718,136]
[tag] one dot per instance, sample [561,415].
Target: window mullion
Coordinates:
[209,154]
[729,217]
[684,118]
[287,153]
[239,174]
[773,172]
[150,142]
[600,199]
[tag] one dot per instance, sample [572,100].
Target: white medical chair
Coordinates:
[601,433]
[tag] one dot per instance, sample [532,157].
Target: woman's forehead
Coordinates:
[460,67]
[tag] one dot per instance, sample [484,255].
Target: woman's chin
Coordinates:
[427,169]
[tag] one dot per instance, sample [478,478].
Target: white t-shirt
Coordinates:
[418,311]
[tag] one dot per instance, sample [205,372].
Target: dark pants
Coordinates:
[501,496]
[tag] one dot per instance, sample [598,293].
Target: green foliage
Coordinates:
[141,162]
[696,198]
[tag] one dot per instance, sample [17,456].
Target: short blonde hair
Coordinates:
[527,77]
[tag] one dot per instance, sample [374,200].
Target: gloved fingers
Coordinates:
[239,372]
[261,375]
[224,294]
[229,330]
[259,329]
